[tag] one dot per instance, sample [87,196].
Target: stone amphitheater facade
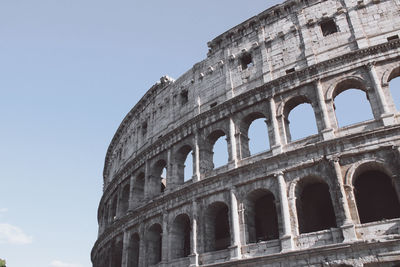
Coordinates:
[330,199]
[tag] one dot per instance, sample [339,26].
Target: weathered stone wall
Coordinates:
[297,52]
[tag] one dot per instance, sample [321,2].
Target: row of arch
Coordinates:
[183,164]
[376,199]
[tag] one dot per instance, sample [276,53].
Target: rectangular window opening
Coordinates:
[394,37]
[246,61]
[290,70]
[328,27]
[184,97]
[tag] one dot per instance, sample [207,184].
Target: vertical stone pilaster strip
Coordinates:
[347,226]
[276,142]
[286,239]
[321,102]
[232,143]
[164,239]
[378,88]
[142,246]
[196,158]
[236,244]
[125,249]
[194,256]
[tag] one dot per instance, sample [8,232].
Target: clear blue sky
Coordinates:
[70,70]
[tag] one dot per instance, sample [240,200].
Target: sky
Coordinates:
[70,70]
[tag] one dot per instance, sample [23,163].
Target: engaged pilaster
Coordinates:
[286,239]
[235,247]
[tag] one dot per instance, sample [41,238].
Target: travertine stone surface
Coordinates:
[301,51]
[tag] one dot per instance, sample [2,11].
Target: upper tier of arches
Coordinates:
[262,52]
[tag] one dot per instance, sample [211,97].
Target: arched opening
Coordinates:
[184,161]
[300,119]
[133,252]
[154,244]
[113,211]
[219,146]
[188,166]
[253,134]
[375,196]
[344,107]
[138,188]
[106,217]
[217,234]
[261,216]
[394,87]
[258,136]
[158,178]
[163,180]
[180,236]
[314,206]
[124,203]
[116,256]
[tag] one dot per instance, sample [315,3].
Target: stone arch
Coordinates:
[374,192]
[113,207]
[157,183]
[261,216]
[288,106]
[154,244]
[394,92]
[217,232]
[337,87]
[139,182]
[124,200]
[212,138]
[314,205]
[345,84]
[364,165]
[180,158]
[134,250]
[244,126]
[390,75]
[180,236]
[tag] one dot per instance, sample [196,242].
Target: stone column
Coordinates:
[231,140]
[196,159]
[347,226]
[194,256]
[276,145]
[286,239]
[164,239]
[142,246]
[147,182]
[235,248]
[125,249]
[387,118]
[327,131]
[131,202]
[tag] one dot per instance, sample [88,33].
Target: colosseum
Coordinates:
[328,199]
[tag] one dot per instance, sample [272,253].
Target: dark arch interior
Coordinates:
[376,197]
[181,237]
[154,244]
[125,199]
[262,217]
[217,234]
[314,208]
[134,248]
[221,229]
[117,254]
